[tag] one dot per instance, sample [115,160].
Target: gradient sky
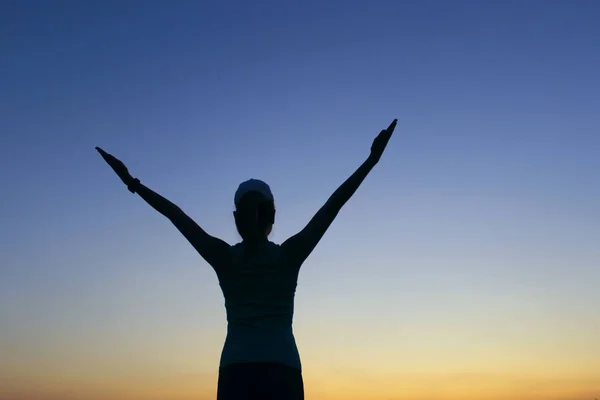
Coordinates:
[467,266]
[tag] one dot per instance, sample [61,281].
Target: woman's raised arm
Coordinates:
[299,246]
[214,250]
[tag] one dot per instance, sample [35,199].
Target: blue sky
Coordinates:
[485,204]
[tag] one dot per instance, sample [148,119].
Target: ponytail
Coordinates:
[251,221]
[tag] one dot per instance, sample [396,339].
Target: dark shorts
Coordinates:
[265,381]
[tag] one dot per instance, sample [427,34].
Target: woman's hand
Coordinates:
[381,142]
[117,166]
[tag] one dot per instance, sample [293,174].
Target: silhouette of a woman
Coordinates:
[258,278]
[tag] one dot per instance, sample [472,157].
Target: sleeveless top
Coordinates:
[259,290]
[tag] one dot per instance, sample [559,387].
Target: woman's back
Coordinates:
[259,288]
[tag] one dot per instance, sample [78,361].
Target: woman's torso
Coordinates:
[259,290]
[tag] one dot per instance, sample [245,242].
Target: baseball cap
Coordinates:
[253,185]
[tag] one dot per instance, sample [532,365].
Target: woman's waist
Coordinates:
[259,310]
[248,340]
[260,345]
[263,321]
[260,328]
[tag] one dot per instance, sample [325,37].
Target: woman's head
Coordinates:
[254,210]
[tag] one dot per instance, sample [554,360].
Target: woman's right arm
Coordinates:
[299,246]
